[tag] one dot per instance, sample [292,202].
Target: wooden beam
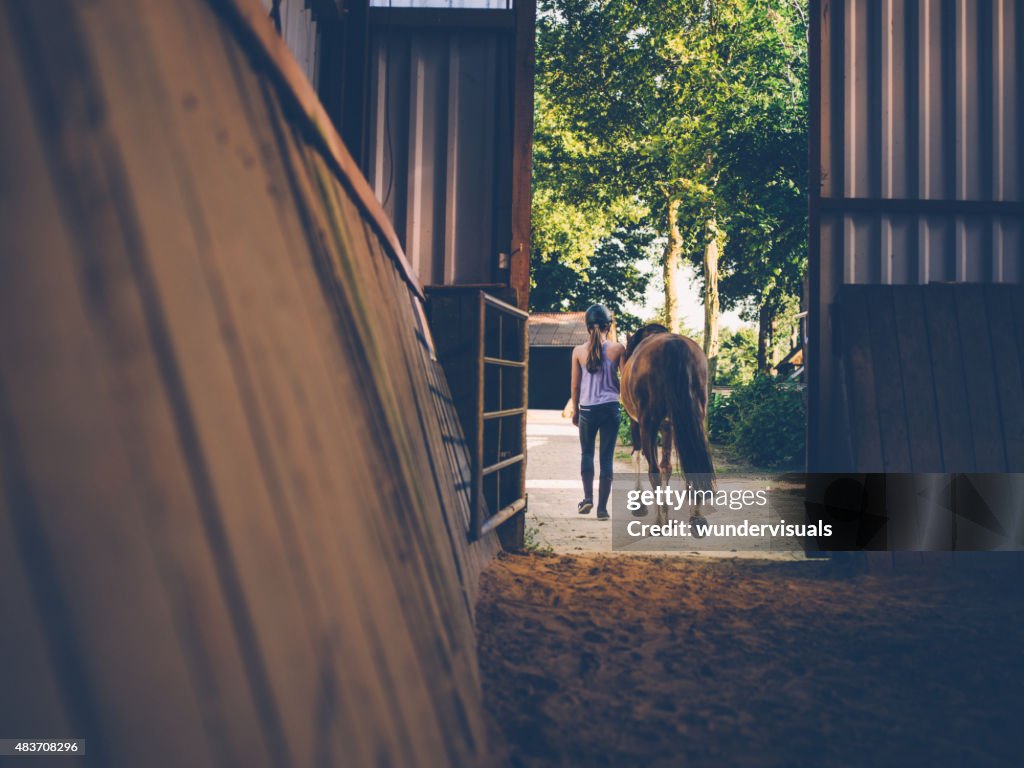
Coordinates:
[522,151]
[812,356]
[443,18]
[354,85]
[922,207]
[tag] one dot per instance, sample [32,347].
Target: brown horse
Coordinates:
[665,389]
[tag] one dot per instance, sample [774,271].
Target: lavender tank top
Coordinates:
[602,386]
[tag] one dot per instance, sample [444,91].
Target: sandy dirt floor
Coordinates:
[632,660]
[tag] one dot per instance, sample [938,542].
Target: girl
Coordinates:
[595,400]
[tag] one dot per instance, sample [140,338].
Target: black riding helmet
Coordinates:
[599,315]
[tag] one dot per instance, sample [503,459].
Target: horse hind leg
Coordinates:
[637,487]
[654,479]
[634,435]
[649,440]
[697,513]
[665,467]
[634,428]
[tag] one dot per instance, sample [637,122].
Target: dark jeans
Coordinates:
[597,420]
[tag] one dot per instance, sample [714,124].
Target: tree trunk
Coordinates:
[673,278]
[764,327]
[711,255]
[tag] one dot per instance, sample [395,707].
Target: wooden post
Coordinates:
[476,519]
[350,104]
[522,151]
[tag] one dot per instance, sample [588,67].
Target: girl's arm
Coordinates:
[620,358]
[575,388]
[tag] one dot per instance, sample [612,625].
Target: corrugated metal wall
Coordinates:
[917,141]
[299,30]
[440,146]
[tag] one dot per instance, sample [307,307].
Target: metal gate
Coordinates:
[483,349]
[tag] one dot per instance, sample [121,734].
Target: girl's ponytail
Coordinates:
[595,352]
[599,321]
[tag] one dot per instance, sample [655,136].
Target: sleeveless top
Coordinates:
[601,386]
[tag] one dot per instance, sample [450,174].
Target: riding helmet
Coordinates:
[599,315]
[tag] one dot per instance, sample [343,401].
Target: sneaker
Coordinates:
[585,506]
[602,514]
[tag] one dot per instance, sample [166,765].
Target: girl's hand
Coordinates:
[575,418]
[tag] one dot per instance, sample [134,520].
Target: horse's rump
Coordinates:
[666,378]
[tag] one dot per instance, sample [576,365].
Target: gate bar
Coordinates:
[503,464]
[502,515]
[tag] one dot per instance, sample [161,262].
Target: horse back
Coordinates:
[652,359]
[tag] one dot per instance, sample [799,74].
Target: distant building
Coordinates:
[552,337]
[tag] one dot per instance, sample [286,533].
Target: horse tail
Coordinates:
[687,416]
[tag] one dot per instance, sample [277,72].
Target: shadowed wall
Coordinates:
[229,526]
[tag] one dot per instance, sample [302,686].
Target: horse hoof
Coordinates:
[642,512]
[694,522]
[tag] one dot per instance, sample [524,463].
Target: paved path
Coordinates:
[553,485]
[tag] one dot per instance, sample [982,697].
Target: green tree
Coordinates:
[612,277]
[685,115]
[737,360]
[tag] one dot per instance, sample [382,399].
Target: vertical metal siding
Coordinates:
[300,32]
[439,156]
[912,101]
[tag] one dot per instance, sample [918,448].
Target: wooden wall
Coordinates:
[932,377]
[229,530]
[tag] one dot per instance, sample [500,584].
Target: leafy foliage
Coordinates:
[763,421]
[721,414]
[612,278]
[736,358]
[625,433]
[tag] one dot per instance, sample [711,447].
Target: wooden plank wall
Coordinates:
[229,529]
[933,382]
[934,377]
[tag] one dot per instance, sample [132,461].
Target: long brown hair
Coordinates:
[596,351]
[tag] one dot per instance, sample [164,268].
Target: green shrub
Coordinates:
[625,435]
[763,421]
[721,414]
